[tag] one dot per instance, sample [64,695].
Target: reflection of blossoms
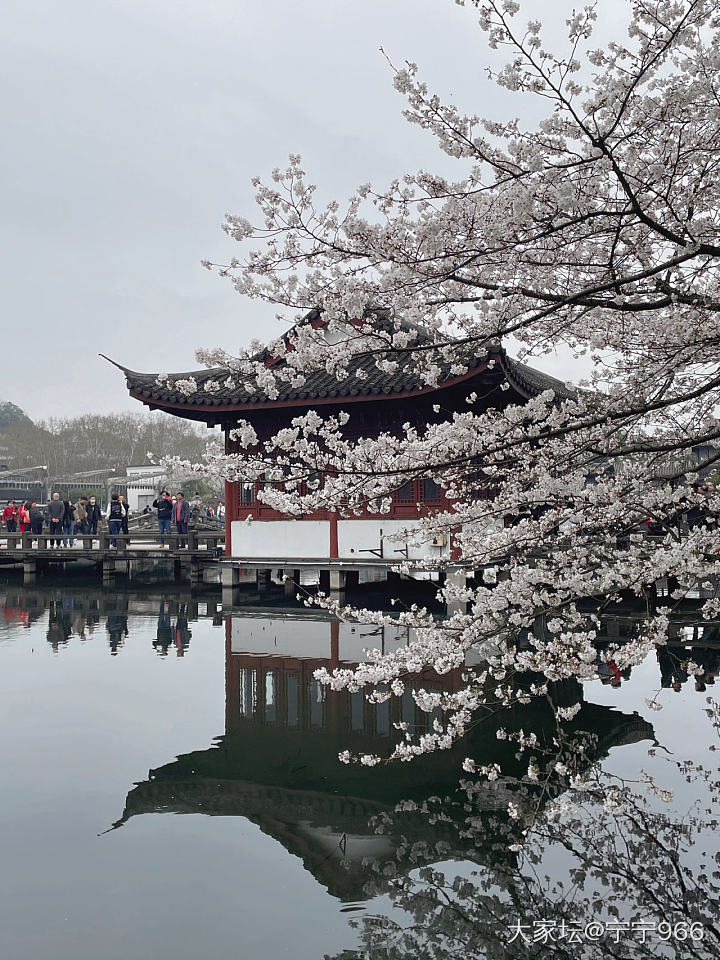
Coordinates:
[631,880]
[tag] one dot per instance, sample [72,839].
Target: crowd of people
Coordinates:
[179,511]
[63,520]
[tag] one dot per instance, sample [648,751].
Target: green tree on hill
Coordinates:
[10,413]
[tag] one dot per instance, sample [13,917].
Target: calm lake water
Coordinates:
[170,783]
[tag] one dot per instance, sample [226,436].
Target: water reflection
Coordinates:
[81,613]
[432,869]
[276,763]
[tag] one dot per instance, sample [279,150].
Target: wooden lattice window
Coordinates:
[404,493]
[246,493]
[430,490]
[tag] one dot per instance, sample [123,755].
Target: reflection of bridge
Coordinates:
[277,762]
[111,554]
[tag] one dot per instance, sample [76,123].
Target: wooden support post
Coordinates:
[337,581]
[196,573]
[292,583]
[177,568]
[108,570]
[262,578]
[29,571]
[229,575]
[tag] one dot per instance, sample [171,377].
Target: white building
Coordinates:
[143,485]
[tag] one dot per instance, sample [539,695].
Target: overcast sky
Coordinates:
[129,130]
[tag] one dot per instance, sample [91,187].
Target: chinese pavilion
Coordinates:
[376,401]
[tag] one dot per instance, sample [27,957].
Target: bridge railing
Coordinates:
[197,541]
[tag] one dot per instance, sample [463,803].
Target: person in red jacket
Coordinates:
[10,516]
[24,516]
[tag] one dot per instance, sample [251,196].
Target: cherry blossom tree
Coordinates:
[595,231]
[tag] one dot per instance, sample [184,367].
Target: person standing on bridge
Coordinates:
[9,516]
[37,518]
[125,529]
[164,507]
[114,515]
[181,512]
[55,517]
[24,516]
[93,516]
[81,524]
[69,523]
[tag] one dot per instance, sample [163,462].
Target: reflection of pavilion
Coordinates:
[277,761]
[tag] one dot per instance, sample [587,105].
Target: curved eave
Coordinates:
[210,409]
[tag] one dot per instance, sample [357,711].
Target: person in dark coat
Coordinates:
[164,507]
[93,515]
[114,515]
[124,525]
[55,517]
[37,518]
[69,524]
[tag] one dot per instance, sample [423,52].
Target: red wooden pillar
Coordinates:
[333,534]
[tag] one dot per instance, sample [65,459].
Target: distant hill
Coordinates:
[10,414]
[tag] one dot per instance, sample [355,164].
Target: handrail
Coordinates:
[17,542]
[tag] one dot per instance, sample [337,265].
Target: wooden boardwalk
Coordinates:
[111,554]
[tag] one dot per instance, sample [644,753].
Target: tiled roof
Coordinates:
[321,385]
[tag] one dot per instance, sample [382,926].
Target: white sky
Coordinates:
[130,127]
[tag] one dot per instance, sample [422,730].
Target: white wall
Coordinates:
[136,490]
[280,538]
[311,539]
[356,537]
